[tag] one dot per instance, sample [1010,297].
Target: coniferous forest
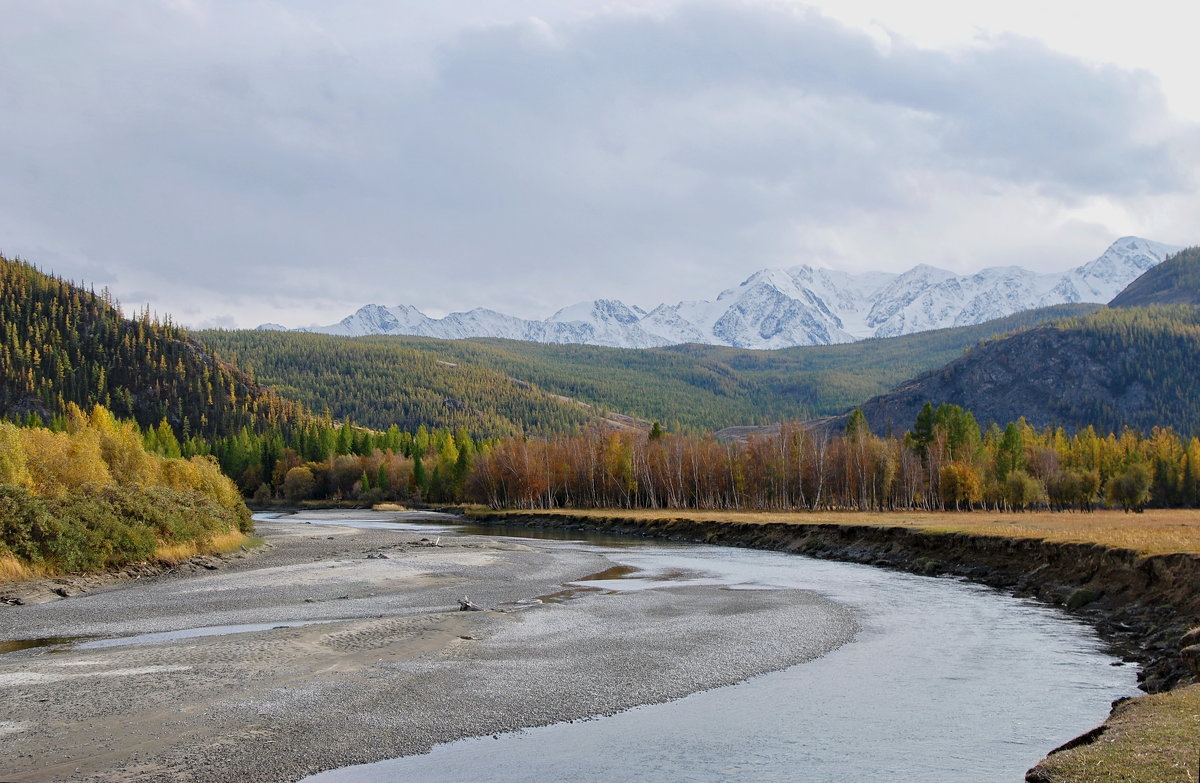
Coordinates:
[499,387]
[61,344]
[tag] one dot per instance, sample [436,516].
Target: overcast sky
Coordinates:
[234,162]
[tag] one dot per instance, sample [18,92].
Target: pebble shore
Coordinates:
[385,666]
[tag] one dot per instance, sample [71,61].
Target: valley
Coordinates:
[362,604]
[721,391]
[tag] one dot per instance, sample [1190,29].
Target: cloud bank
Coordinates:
[237,162]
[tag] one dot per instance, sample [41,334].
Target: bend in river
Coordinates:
[336,647]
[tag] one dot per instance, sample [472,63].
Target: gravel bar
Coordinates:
[374,661]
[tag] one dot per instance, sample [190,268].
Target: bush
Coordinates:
[93,498]
[106,527]
[27,529]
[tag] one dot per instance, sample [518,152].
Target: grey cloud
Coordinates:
[256,150]
[1012,108]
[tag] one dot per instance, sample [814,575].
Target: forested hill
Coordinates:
[60,343]
[1134,367]
[496,386]
[1174,281]
[378,382]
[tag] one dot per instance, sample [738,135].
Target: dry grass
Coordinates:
[222,542]
[13,570]
[1154,739]
[389,507]
[1153,532]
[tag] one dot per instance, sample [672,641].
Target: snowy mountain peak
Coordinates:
[926,272]
[599,310]
[799,305]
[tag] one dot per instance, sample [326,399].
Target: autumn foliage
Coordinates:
[946,462]
[92,497]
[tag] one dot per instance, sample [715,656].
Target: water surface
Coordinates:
[947,681]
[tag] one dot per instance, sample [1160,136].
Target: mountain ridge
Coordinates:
[787,307]
[61,344]
[1175,281]
[690,387]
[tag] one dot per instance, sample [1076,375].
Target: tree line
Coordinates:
[947,461]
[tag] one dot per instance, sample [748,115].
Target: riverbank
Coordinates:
[186,560]
[1141,603]
[341,645]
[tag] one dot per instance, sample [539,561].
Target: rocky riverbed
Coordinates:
[341,645]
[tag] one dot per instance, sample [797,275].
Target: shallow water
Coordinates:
[16,645]
[94,643]
[193,633]
[946,681]
[428,522]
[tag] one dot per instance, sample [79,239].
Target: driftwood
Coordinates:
[465,605]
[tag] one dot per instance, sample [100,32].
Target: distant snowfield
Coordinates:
[779,308]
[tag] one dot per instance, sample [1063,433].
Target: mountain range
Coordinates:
[1131,364]
[779,308]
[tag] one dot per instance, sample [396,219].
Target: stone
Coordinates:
[1081,598]
[1191,658]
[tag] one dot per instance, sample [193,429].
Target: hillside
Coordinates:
[378,382]
[499,386]
[61,344]
[1175,281]
[1132,367]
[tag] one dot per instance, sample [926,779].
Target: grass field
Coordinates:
[1153,739]
[221,543]
[1154,532]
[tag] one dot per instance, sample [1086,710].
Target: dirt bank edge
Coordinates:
[55,588]
[1143,606]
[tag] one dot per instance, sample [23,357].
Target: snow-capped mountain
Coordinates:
[802,305]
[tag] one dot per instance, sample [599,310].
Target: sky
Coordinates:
[237,162]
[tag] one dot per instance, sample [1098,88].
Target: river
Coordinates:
[945,681]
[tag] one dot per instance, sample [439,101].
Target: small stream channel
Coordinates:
[946,681]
